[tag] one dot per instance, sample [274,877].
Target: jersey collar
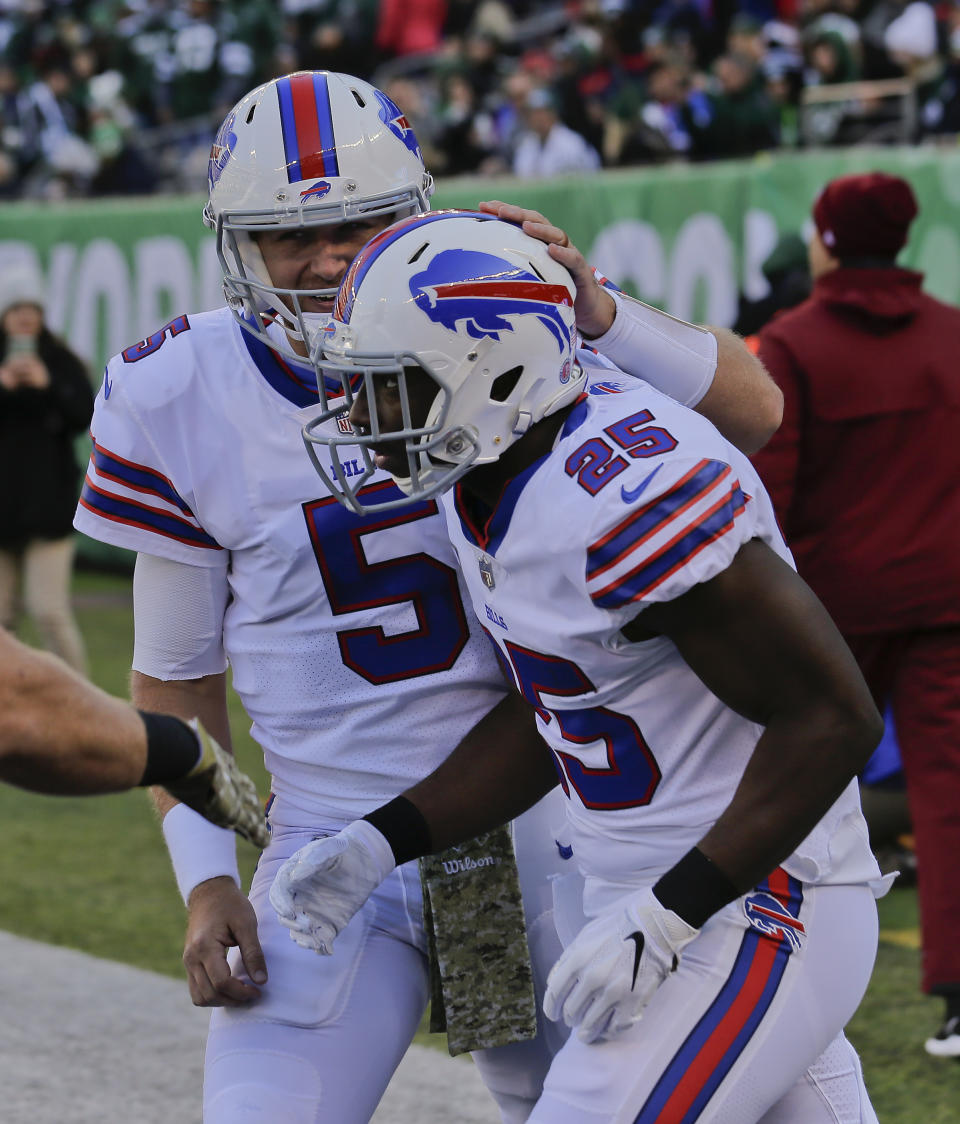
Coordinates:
[294,381]
[486,528]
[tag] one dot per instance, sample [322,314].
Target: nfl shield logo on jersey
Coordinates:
[486,573]
[769,916]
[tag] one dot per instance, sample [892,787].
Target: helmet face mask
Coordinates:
[473,323]
[311,149]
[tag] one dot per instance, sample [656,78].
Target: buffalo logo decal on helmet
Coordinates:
[770,916]
[397,123]
[221,149]
[495,290]
[319,189]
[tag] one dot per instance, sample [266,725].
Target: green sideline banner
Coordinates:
[687,238]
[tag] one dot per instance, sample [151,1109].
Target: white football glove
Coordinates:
[320,887]
[611,969]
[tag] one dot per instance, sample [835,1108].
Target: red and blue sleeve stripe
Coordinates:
[725,1029]
[136,476]
[306,121]
[638,583]
[643,523]
[135,514]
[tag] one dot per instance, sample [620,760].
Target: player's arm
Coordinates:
[778,462]
[760,639]
[710,370]
[60,734]
[178,612]
[499,769]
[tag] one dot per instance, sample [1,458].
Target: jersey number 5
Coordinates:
[630,774]
[355,584]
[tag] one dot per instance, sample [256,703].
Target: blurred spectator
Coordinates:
[940,113]
[676,79]
[19,131]
[405,28]
[740,117]
[911,40]
[122,169]
[45,401]
[831,59]
[547,147]
[863,474]
[787,272]
[70,162]
[662,130]
[459,145]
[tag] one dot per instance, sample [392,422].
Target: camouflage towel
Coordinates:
[481,979]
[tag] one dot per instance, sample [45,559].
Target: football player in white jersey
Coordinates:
[61,735]
[704,717]
[346,635]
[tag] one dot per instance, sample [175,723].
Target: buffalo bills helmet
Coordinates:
[470,303]
[311,148]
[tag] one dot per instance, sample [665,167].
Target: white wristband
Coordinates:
[673,356]
[199,850]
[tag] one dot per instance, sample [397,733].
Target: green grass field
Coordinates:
[93,874]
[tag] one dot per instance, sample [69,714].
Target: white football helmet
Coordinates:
[311,148]
[484,311]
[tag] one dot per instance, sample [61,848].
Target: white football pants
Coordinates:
[748,1030]
[322,1042]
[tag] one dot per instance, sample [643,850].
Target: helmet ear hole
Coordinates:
[504,385]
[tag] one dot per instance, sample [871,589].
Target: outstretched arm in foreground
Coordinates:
[59,734]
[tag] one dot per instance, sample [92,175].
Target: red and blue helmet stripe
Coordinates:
[306,121]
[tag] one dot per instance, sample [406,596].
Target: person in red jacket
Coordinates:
[864,474]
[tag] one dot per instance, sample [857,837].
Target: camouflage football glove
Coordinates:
[611,969]
[217,789]
[320,887]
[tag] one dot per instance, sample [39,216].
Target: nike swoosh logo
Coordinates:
[628,495]
[637,939]
[107,384]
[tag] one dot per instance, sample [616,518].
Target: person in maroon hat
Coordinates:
[864,475]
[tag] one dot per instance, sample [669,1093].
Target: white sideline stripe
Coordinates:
[90,1041]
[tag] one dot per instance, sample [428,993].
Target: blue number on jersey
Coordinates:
[595,463]
[354,584]
[631,775]
[153,343]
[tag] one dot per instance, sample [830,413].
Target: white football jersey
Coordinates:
[344,633]
[639,500]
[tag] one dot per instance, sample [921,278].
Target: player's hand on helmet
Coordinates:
[218,789]
[594,307]
[610,971]
[219,917]
[320,887]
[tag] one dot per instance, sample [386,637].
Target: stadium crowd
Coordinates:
[121,96]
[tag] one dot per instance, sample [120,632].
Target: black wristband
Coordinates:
[695,888]
[404,828]
[173,749]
